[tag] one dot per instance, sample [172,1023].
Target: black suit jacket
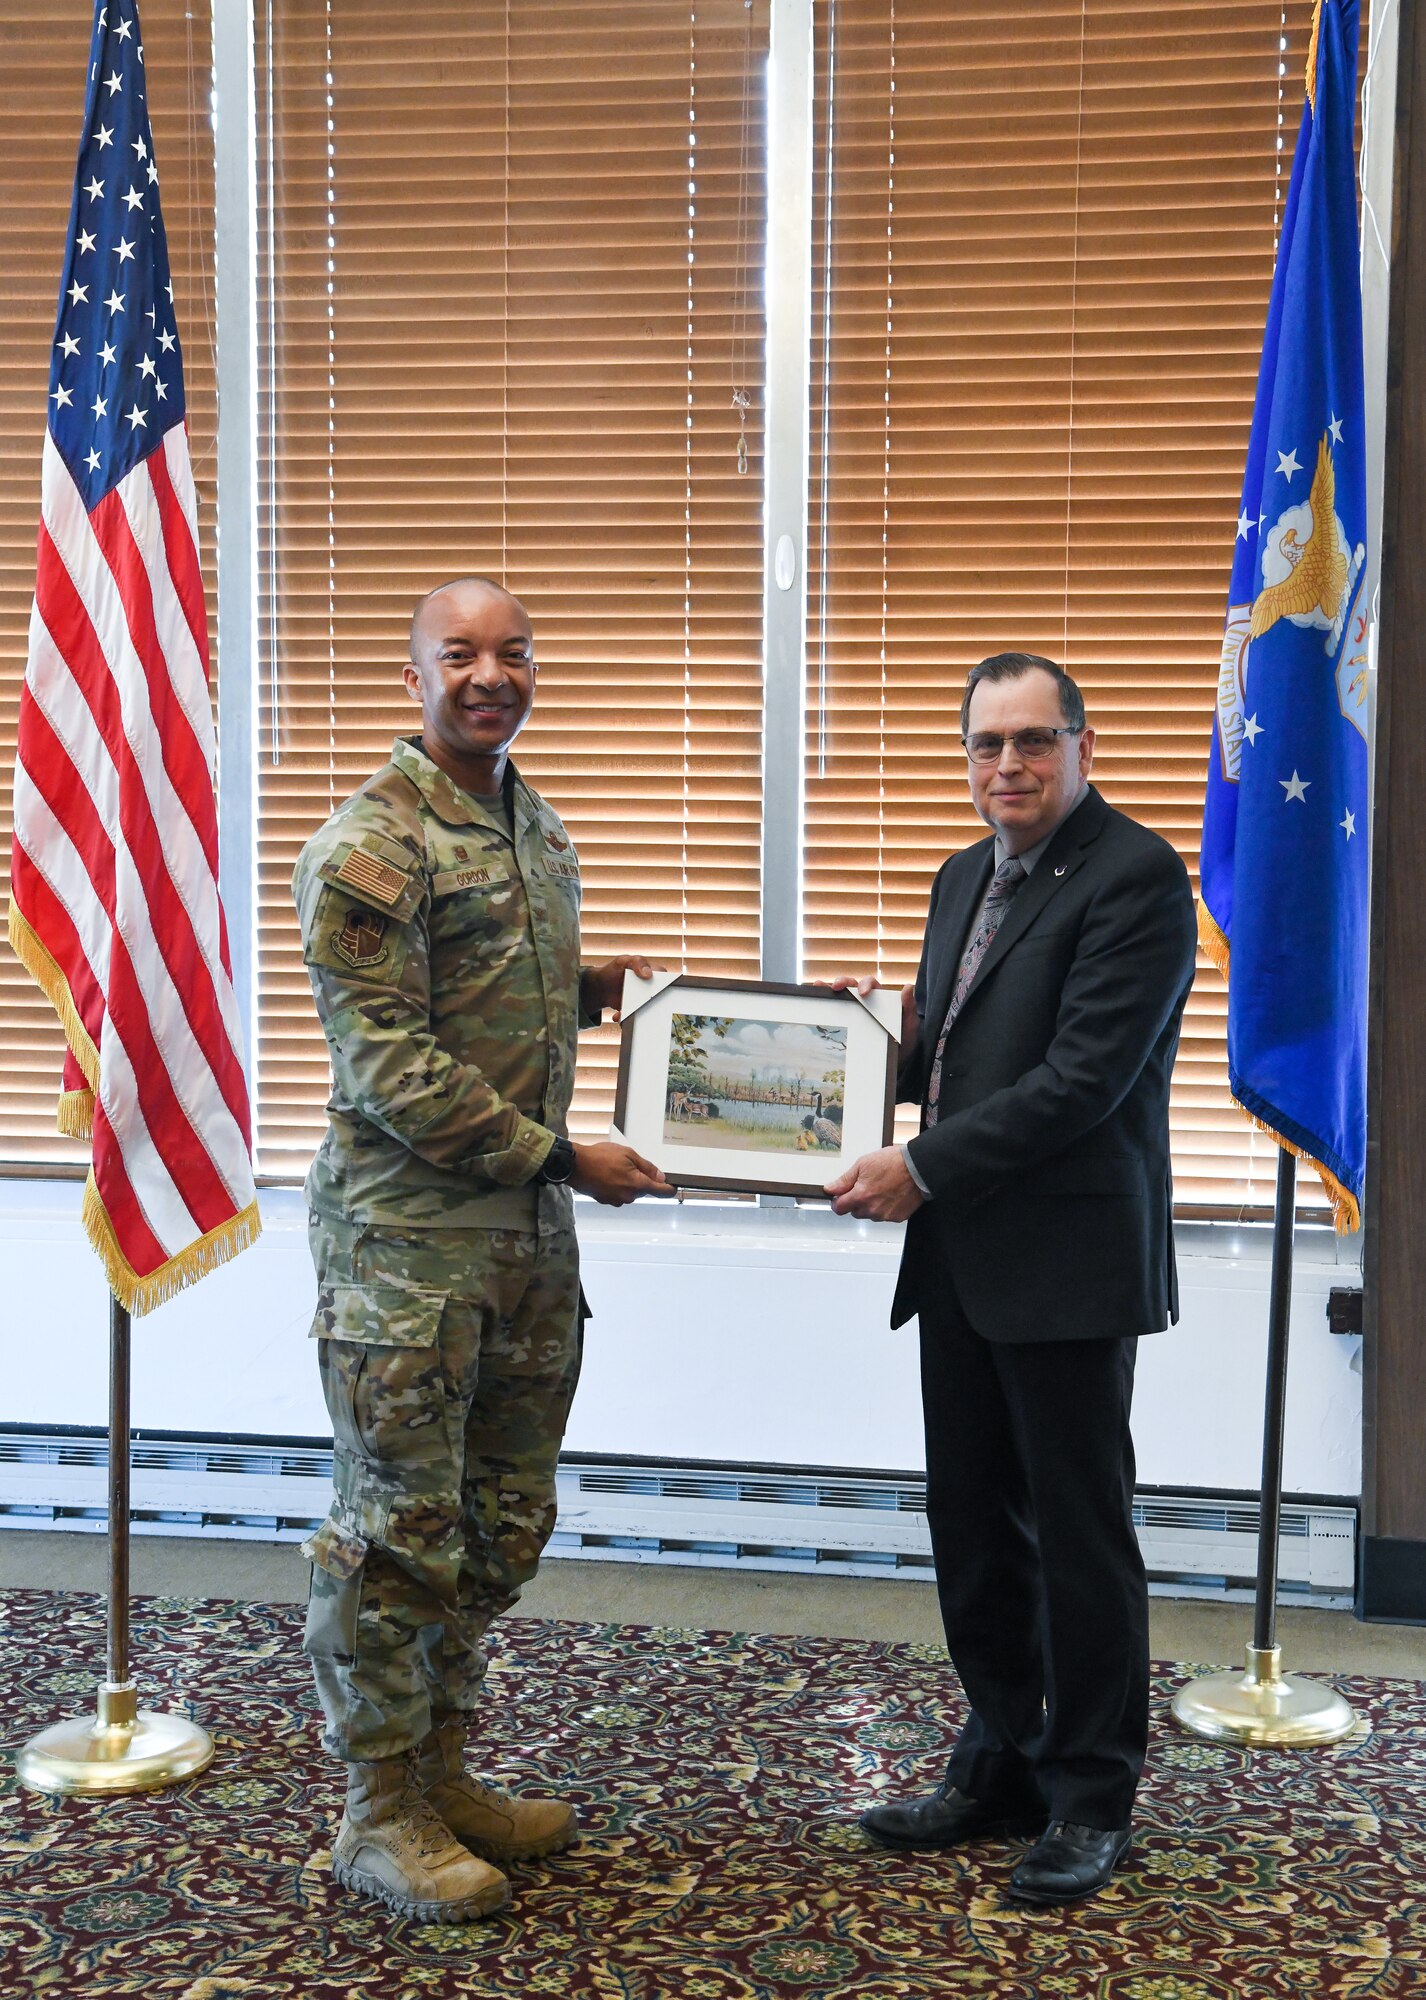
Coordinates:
[1051,1215]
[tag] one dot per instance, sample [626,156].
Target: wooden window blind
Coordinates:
[512,325]
[1045,238]
[44,48]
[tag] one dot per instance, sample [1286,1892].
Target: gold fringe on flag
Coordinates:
[75,1118]
[1312,41]
[156,1288]
[36,960]
[1346,1211]
[74,1114]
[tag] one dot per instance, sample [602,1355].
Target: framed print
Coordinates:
[752,1086]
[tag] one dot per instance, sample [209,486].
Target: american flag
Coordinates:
[114,889]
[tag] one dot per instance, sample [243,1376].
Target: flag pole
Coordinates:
[1264,1705]
[122,1748]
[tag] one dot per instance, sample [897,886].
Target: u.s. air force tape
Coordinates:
[372,879]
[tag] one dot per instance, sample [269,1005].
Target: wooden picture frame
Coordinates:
[752,1086]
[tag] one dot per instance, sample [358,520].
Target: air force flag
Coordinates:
[1283,912]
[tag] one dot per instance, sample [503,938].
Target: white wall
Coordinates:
[719,1333]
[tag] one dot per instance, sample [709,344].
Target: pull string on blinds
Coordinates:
[1045,240]
[46,46]
[513,292]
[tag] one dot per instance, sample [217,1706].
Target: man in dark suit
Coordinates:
[1039,1040]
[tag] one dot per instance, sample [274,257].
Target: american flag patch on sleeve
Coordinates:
[374,880]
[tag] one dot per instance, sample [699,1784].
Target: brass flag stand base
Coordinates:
[122,1747]
[1264,1706]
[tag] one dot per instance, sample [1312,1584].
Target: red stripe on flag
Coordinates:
[183,755]
[141,1247]
[180,550]
[68,624]
[52,924]
[181,553]
[176,1142]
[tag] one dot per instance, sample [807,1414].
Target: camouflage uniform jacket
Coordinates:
[444,956]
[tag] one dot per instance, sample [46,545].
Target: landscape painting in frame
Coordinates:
[760,1086]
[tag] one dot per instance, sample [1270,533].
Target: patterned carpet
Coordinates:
[719,1777]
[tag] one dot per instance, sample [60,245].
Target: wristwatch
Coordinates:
[557,1167]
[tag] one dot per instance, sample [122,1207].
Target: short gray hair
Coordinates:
[1010,667]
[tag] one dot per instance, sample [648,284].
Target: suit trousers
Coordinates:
[1030,1484]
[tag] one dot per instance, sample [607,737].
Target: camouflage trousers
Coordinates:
[449,1360]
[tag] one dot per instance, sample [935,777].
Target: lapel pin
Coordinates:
[1061,869]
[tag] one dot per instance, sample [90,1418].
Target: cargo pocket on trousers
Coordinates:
[338,1557]
[381,1370]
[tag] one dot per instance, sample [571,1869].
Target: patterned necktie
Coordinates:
[1006,880]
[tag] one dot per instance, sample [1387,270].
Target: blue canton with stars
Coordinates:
[116,375]
[1285,846]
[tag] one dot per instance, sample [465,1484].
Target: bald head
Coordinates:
[451,597]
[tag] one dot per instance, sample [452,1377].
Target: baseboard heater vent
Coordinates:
[753,1517]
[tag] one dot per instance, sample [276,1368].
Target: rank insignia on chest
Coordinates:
[361,941]
[375,880]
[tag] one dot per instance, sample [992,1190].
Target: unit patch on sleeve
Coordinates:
[361,941]
[373,879]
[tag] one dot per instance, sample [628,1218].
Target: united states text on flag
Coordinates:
[114,890]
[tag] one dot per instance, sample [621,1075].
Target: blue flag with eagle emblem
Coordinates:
[1283,910]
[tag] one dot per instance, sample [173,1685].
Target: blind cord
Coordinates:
[331,425]
[825,440]
[685,802]
[1074,334]
[885,501]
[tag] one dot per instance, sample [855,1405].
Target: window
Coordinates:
[1044,239]
[513,326]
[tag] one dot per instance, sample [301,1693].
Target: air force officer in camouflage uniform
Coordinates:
[440,919]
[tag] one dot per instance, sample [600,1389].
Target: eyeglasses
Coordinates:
[1031,744]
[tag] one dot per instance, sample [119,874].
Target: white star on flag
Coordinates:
[105,136]
[1349,824]
[78,294]
[1244,523]
[115,302]
[113,83]
[94,188]
[108,354]
[133,199]
[69,344]
[1287,463]
[62,396]
[124,30]
[1335,427]
[93,461]
[1252,728]
[1295,787]
[100,406]
[123,250]
[86,241]
[138,418]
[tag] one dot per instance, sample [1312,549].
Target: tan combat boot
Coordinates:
[488,1821]
[393,1845]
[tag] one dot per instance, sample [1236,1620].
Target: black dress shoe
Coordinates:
[1068,1862]
[945,1819]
